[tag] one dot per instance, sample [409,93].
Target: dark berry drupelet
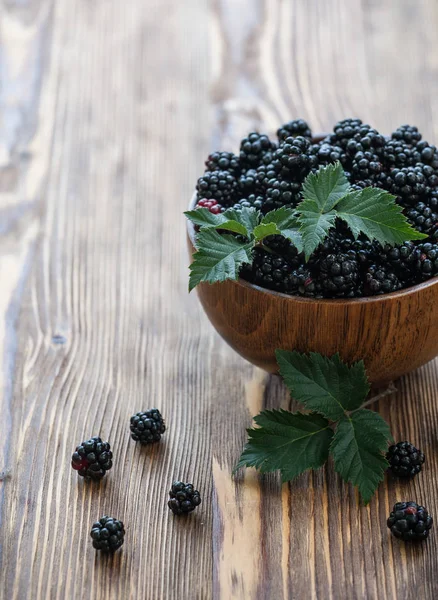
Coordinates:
[408,134]
[428,153]
[223,161]
[298,127]
[148,426]
[427,263]
[217,185]
[366,165]
[253,149]
[379,279]
[402,259]
[212,205]
[339,275]
[292,160]
[92,459]
[405,460]
[422,217]
[108,534]
[251,201]
[183,498]
[270,271]
[409,521]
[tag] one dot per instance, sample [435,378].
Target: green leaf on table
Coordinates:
[324,385]
[326,187]
[287,223]
[289,442]
[375,213]
[358,448]
[218,257]
[315,225]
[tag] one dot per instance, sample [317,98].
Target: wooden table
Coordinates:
[108,111]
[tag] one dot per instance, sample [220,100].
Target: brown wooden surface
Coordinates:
[107,111]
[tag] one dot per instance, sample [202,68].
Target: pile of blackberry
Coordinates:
[269,174]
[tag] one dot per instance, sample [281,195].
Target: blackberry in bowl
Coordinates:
[360,290]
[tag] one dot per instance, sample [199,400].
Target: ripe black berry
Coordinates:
[405,460]
[223,161]
[147,427]
[339,275]
[379,279]
[402,259]
[251,201]
[92,458]
[408,134]
[108,534]
[427,262]
[422,217]
[292,160]
[217,185]
[408,184]
[183,498]
[296,128]
[409,521]
[253,148]
[279,193]
[270,271]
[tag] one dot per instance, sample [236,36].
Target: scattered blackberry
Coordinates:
[422,218]
[251,201]
[92,458]
[183,498]
[427,263]
[252,149]
[108,534]
[217,185]
[380,280]
[397,153]
[280,192]
[365,165]
[339,275]
[404,459]
[223,161]
[408,184]
[214,207]
[147,427]
[410,522]
[408,134]
[305,284]
[296,128]
[292,160]
[402,259]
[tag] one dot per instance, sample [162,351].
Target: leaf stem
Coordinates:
[391,389]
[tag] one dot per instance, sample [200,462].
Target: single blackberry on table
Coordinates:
[251,201]
[147,426]
[92,459]
[183,498]
[270,271]
[402,259]
[292,160]
[214,207]
[409,521]
[253,148]
[298,127]
[405,460]
[397,153]
[108,534]
[408,183]
[280,192]
[379,279]
[223,161]
[422,218]
[427,263]
[408,134]
[217,185]
[366,165]
[339,275]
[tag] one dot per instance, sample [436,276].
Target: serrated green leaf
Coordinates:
[289,442]
[326,187]
[324,385]
[358,448]
[237,221]
[248,217]
[375,213]
[264,230]
[219,257]
[204,218]
[314,225]
[288,225]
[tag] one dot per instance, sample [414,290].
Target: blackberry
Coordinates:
[251,201]
[214,207]
[408,184]
[223,161]
[92,459]
[366,139]
[147,426]
[404,459]
[344,131]
[409,521]
[270,271]
[283,247]
[397,153]
[428,153]
[252,149]
[280,192]
[379,279]
[402,259]
[292,159]
[296,128]
[427,263]
[408,134]
[326,153]
[430,175]
[217,185]
[264,175]
[339,275]
[422,218]
[108,534]
[248,182]
[365,165]
[183,498]
[305,284]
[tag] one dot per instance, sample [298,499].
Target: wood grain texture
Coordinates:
[107,111]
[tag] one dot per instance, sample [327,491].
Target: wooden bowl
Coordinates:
[393,333]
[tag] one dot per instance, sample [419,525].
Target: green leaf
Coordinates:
[375,213]
[219,257]
[358,450]
[248,217]
[237,221]
[204,218]
[326,187]
[264,230]
[314,225]
[288,225]
[324,385]
[289,442]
